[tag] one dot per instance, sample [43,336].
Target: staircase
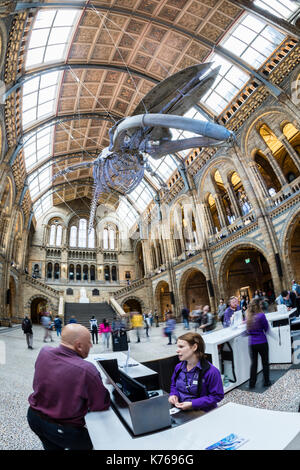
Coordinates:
[83,312]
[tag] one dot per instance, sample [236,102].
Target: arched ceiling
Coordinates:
[108,56]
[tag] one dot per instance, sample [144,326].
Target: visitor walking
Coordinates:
[137,324]
[58,325]
[147,325]
[257,327]
[170,328]
[185,313]
[105,330]
[221,310]
[94,329]
[46,322]
[27,330]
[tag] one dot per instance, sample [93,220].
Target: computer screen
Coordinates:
[134,390]
[110,366]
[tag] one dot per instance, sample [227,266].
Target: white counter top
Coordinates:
[264,429]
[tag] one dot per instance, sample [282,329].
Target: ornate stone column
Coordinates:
[232,197]
[275,166]
[220,209]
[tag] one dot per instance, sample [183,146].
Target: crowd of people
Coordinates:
[196,384]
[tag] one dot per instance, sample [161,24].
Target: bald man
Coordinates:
[65,389]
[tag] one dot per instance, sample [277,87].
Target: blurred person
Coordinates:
[207,320]
[27,330]
[257,327]
[46,322]
[57,325]
[233,307]
[65,389]
[185,313]
[196,316]
[170,327]
[137,324]
[196,384]
[221,310]
[105,330]
[72,319]
[94,329]
[147,324]
[156,318]
[287,298]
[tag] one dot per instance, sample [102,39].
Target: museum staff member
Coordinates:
[196,384]
[65,389]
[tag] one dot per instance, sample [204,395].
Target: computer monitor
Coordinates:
[134,390]
[110,366]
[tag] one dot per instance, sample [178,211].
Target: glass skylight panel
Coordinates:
[50,36]
[39,180]
[42,205]
[281,8]
[39,99]
[37,147]
[126,212]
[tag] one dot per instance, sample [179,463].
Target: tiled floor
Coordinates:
[16,376]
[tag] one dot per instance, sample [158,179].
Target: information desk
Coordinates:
[263,429]
[228,348]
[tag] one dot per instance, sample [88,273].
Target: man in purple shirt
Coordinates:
[233,307]
[65,389]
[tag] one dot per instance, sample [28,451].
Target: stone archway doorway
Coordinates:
[246,270]
[37,307]
[194,290]
[132,305]
[163,299]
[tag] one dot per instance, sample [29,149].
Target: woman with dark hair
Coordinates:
[105,330]
[196,383]
[257,327]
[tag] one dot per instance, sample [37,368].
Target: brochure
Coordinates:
[230,442]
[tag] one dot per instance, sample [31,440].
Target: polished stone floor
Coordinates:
[17,369]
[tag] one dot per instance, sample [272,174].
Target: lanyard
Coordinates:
[188,385]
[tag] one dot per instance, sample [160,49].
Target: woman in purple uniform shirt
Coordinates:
[195,384]
[257,326]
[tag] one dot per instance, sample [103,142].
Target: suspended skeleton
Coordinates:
[121,166]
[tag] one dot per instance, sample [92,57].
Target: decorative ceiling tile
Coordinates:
[85,35]
[177,3]
[157,33]
[147,6]
[168,13]
[141,60]
[135,26]
[149,47]
[190,22]
[102,53]
[220,20]
[177,41]
[196,8]
[210,32]
[197,51]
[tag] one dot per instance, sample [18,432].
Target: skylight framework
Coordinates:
[40,97]
[283,9]
[50,36]
[254,41]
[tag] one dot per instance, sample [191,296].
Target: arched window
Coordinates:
[49,271]
[82,236]
[73,236]
[105,239]
[91,239]
[58,235]
[52,235]
[111,239]
[92,273]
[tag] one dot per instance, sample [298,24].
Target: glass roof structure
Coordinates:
[250,39]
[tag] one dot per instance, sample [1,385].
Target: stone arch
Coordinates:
[250,139]
[133,301]
[12,298]
[52,307]
[194,294]
[162,298]
[210,171]
[251,249]
[291,230]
